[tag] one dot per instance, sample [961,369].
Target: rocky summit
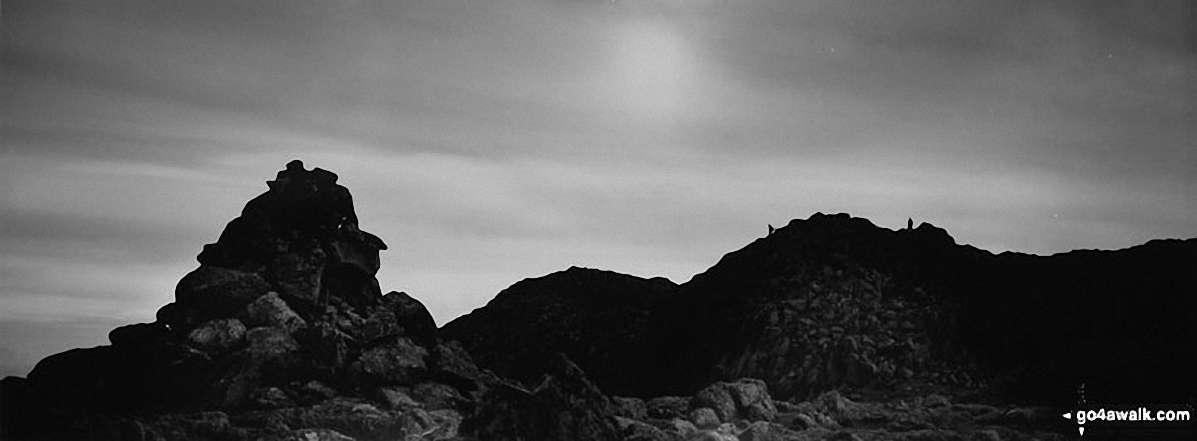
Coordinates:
[827,328]
[282,332]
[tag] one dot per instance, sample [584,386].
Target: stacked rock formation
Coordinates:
[283,317]
[300,240]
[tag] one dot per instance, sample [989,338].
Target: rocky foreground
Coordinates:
[830,328]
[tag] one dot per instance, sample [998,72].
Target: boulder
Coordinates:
[315,391]
[218,335]
[326,346]
[356,249]
[704,418]
[676,427]
[298,271]
[211,293]
[271,310]
[270,357]
[452,365]
[215,292]
[766,431]
[446,426]
[245,244]
[212,286]
[399,362]
[630,407]
[667,407]
[381,323]
[398,397]
[632,430]
[412,316]
[269,343]
[744,399]
[352,287]
[140,335]
[271,397]
[718,400]
[436,396]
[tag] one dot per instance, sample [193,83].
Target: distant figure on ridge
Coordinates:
[771,229]
[909,224]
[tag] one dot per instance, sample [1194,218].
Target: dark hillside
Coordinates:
[835,301]
[597,318]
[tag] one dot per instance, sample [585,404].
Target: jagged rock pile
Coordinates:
[282,329]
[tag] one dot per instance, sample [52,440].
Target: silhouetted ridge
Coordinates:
[828,328]
[837,302]
[597,318]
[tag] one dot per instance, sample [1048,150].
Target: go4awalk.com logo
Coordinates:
[1141,417]
[1131,421]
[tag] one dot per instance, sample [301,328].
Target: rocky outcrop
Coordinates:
[281,333]
[299,240]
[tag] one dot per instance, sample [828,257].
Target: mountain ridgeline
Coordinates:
[836,302]
[828,328]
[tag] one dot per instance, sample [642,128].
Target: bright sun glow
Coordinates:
[651,71]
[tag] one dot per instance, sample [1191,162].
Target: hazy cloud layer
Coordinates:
[487,142]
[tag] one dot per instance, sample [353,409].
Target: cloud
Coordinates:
[491,141]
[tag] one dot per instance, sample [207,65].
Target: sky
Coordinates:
[490,141]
